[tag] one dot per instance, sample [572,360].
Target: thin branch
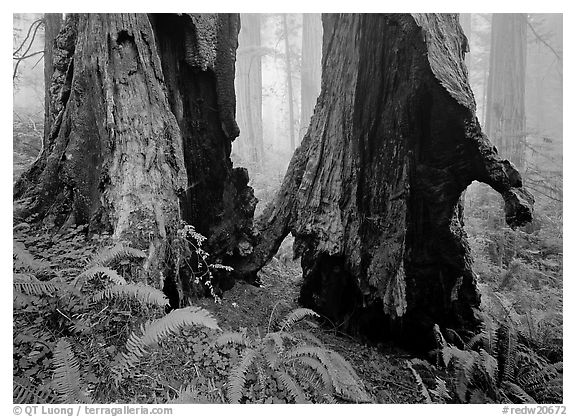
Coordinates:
[31,41]
[27,36]
[37,62]
[532,187]
[18,60]
[542,40]
[21,58]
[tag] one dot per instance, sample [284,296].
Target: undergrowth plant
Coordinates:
[186,250]
[73,333]
[290,360]
[494,366]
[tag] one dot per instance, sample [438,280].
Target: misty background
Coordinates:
[278,81]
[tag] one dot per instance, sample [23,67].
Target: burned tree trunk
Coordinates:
[143,135]
[372,194]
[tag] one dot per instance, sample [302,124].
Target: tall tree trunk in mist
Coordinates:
[52,24]
[372,194]
[250,143]
[311,67]
[143,136]
[505,112]
[289,82]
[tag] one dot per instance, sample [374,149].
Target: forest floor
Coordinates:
[382,368]
[188,359]
[519,272]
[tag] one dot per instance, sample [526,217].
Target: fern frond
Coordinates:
[153,332]
[454,337]
[420,383]
[474,340]
[344,379]
[478,396]
[271,356]
[536,379]
[25,393]
[90,273]
[318,369]
[25,261]
[489,366]
[291,386]
[514,390]
[234,338]
[506,342]
[29,285]
[66,380]
[465,364]
[141,292]
[441,390]
[115,253]
[188,395]
[237,378]
[295,316]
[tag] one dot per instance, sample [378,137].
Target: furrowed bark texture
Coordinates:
[372,194]
[52,24]
[142,138]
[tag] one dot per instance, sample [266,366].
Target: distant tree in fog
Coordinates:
[505,112]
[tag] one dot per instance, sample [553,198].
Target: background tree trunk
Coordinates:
[505,113]
[311,67]
[289,82]
[372,194]
[52,24]
[250,143]
[143,136]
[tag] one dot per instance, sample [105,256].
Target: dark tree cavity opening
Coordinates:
[372,196]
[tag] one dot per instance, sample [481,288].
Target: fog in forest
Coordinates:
[273,107]
[506,266]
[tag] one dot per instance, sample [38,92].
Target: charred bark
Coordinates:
[143,135]
[372,194]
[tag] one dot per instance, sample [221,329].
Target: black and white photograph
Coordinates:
[287,208]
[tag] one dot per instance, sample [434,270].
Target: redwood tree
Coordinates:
[250,143]
[372,194]
[290,92]
[145,119]
[52,25]
[505,113]
[310,67]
